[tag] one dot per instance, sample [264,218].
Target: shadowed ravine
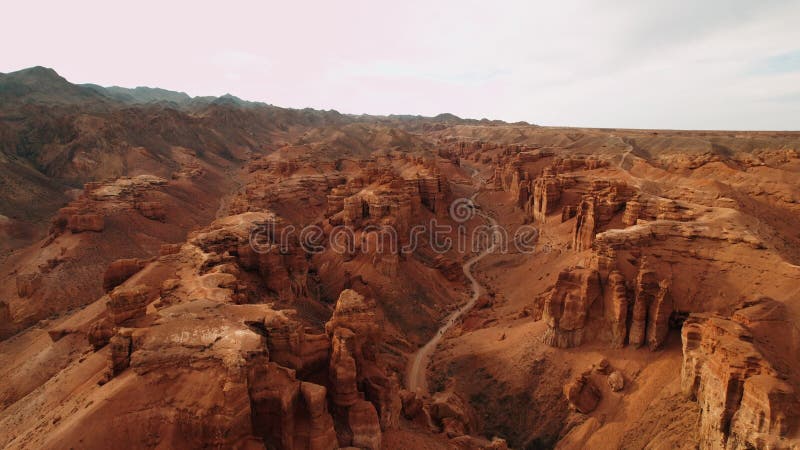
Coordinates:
[416,378]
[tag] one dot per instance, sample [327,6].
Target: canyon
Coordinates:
[184,272]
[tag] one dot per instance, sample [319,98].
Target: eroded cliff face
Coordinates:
[745,402]
[239,316]
[627,250]
[148,318]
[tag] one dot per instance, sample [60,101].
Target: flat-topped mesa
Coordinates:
[576,163]
[654,208]
[101,199]
[744,402]
[369,198]
[551,191]
[567,306]
[219,350]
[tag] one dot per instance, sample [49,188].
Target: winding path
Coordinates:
[416,378]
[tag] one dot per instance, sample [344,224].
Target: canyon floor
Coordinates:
[211,272]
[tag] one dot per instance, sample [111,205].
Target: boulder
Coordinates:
[453,413]
[616,381]
[121,349]
[582,394]
[100,334]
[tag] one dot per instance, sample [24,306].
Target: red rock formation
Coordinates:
[343,371]
[79,223]
[546,194]
[451,412]
[364,426]
[128,302]
[292,346]
[100,333]
[260,244]
[567,306]
[152,210]
[658,316]
[585,224]
[582,394]
[119,271]
[120,352]
[616,302]
[744,403]
[616,381]
[27,284]
[355,334]
[321,434]
[647,290]
[288,413]
[632,211]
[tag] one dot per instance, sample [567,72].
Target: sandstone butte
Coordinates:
[657,308]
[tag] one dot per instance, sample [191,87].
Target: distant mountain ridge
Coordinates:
[43,85]
[141,94]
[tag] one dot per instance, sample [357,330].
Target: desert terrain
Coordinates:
[209,272]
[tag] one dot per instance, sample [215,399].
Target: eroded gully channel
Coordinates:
[416,376]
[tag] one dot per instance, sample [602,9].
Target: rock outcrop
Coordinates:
[288,413]
[652,308]
[744,403]
[582,394]
[567,306]
[119,271]
[546,194]
[616,381]
[78,223]
[453,414]
[292,346]
[364,425]
[355,372]
[616,306]
[585,224]
[128,302]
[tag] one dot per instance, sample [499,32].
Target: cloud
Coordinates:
[631,63]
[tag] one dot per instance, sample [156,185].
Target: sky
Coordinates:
[699,64]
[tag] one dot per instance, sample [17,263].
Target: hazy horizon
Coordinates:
[716,65]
